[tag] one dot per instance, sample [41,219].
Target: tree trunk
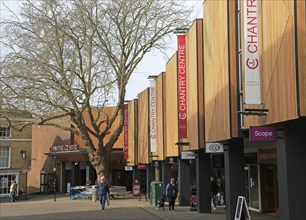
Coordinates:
[100,164]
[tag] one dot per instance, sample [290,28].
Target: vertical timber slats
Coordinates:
[216,76]
[143,127]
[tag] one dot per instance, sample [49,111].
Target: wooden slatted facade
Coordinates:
[301,46]
[160,117]
[143,127]
[170,96]
[278,67]
[216,71]
[132,132]
[195,87]
[105,111]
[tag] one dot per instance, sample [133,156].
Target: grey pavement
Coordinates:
[44,207]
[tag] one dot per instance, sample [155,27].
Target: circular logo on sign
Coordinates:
[214,147]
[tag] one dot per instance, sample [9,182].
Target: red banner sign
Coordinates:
[141,166]
[126,132]
[181,86]
[136,189]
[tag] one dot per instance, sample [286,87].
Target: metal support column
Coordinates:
[291,166]
[234,175]
[203,172]
[184,182]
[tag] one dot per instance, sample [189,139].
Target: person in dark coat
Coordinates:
[171,192]
[103,190]
[214,191]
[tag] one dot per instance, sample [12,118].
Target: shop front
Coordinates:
[261,180]
[261,184]
[72,168]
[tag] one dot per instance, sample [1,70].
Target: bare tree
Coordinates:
[64,59]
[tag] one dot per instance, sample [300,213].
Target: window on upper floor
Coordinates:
[5,132]
[4,157]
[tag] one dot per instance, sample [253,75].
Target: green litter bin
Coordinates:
[156,192]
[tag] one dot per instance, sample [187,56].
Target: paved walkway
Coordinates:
[44,207]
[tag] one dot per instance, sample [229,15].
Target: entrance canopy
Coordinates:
[68,153]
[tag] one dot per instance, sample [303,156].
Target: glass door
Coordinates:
[252,187]
[254,191]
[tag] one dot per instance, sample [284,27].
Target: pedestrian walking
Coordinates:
[214,191]
[171,192]
[103,191]
[13,191]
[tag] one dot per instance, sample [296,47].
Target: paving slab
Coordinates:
[44,207]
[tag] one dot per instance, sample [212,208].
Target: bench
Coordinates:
[119,192]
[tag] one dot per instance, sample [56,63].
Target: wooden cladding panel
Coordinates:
[159,118]
[233,70]
[100,114]
[278,66]
[216,71]
[132,135]
[192,88]
[171,122]
[301,35]
[143,127]
[200,83]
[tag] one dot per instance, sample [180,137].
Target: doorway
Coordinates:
[252,186]
[268,179]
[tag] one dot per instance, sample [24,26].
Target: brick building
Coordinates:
[44,137]
[60,155]
[15,153]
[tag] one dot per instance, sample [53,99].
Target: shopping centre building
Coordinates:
[231,104]
[245,102]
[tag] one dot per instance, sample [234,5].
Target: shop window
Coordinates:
[82,165]
[5,182]
[4,157]
[68,165]
[250,158]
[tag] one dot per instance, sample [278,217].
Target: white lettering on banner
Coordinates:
[74,147]
[263,133]
[153,115]
[251,53]
[182,115]
[126,132]
[181,86]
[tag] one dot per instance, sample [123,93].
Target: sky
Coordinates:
[153,63]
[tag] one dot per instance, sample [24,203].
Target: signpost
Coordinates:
[187,155]
[215,147]
[262,133]
[128,168]
[136,189]
[242,207]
